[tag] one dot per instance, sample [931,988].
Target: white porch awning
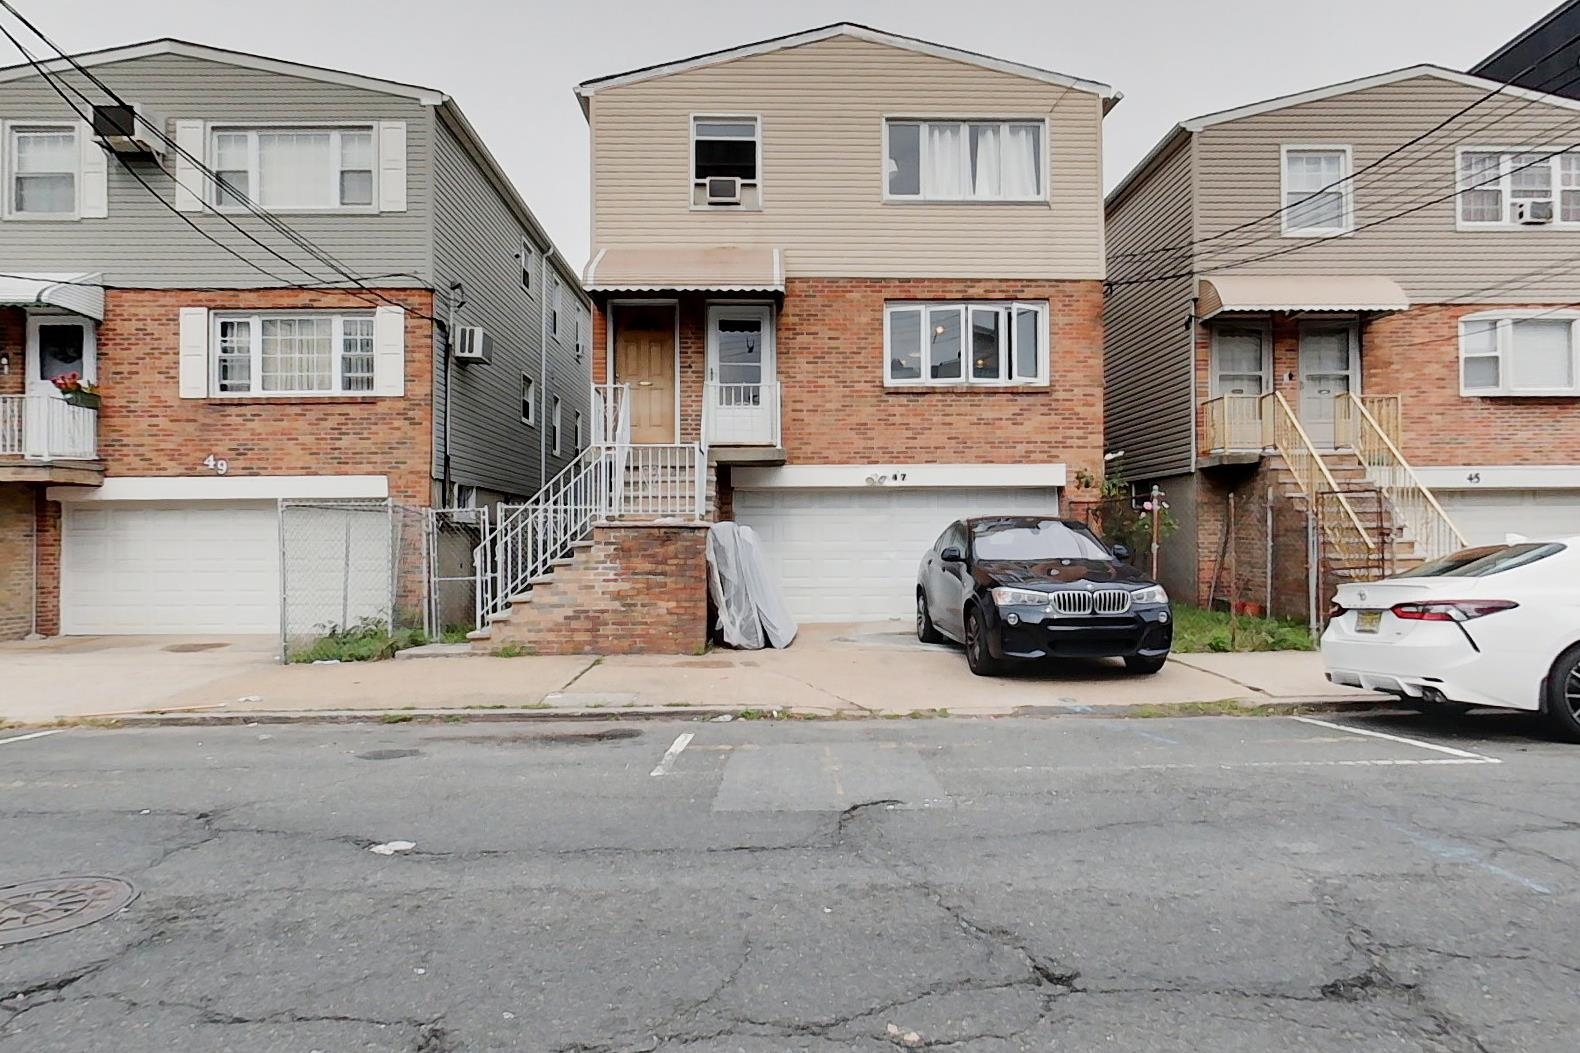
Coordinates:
[1298,292]
[78,293]
[719,268]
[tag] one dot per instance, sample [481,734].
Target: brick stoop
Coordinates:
[632,588]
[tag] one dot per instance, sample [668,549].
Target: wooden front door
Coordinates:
[644,357]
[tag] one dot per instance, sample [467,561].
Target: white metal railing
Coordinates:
[45,428]
[1425,523]
[661,482]
[611,414]
[740,414]
[1232,423]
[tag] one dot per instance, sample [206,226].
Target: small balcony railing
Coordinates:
[740,414]
[1233,424]
[46,428]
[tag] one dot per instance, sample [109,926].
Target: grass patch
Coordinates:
[454,634]
[397,718]
[512,650]
[927,714]
[1198,631]
[367,642]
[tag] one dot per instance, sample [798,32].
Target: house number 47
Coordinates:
[217,465]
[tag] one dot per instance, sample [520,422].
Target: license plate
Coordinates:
[1367,621]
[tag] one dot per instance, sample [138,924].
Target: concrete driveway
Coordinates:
[855,670]
[90,676]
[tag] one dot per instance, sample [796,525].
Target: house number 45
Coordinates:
[217,465]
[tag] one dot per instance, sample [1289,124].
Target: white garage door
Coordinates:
[1485,516]
[199,567]
[851,555]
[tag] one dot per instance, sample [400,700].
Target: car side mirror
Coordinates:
[952,555]
[1122,553]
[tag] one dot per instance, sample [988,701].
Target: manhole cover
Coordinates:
[35,909]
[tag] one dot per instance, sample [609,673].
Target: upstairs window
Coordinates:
[726,156]
[1528,187]
[1317,191]
[293,168]
[526,258]
[315,353]
[554,306]
[964,161]
[965,343]
[554,423]
[529,400]
[1519,354]
[44,163]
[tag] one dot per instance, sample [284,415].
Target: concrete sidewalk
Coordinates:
[850,670]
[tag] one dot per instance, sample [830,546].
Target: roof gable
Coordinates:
[242,59]
[588,88]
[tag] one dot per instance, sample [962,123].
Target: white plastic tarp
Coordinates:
[752,611]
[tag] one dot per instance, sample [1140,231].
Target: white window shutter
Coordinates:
[94,192]
[392,166]
[389,351]
[194,352]
[189,175]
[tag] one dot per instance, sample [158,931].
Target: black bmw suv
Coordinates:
[1022,587]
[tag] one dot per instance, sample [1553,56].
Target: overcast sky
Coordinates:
[512,66]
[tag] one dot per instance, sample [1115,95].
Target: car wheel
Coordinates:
[978,655]
[926,631]
[1145,664]
[1563,696]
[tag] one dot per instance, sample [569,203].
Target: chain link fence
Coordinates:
[1132,521]
[349,567]
[451,541]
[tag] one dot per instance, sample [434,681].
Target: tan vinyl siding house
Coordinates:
[822,108]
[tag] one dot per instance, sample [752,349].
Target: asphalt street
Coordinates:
[1201,884]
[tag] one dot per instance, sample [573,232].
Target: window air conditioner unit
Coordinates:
[1533,212]
[473,344]
[723,190]
[129,130]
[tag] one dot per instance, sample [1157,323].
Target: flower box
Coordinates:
[85,399]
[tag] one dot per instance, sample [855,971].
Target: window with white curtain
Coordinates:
[44,166]
[1239,361]
[307,353]
[1519,354]
[965,343]
[293,168]
[1317,191]
[1497,185]
[964,160]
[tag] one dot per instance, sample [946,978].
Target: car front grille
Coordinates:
[1100,601]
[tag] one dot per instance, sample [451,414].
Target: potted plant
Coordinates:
[78,392]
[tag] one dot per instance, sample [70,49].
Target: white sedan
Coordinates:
[1492,626]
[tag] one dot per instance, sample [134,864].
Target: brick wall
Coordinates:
[836,409]
[13,344]
[17,512]
[639,589]
[146,428]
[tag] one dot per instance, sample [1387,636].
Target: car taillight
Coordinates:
[1450,610]
[1336,611]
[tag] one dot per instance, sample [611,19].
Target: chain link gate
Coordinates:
[452,544]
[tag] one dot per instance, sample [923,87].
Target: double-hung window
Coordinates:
[305,168]
[554,423]
[1520,353]
[44,169]
[965,343]
[309,353]
[964,160]
[529,400]
[1527,187]
[1318,199]
[526,257]
[726,159]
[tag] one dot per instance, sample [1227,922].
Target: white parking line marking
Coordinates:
[680,743]
[31,735]
[1450,750]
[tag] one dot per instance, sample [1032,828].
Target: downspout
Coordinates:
[455,301]
[543,367]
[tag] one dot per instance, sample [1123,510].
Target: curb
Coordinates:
[1239,707]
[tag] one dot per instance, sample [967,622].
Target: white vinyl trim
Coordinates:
[223,488]
[906,476]
[1468,477]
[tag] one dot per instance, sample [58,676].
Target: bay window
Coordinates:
[964,160]
[311,353]
[44,162]
[1518,353]
[293,168]
[965,343]
[1317,192]
[1524,187]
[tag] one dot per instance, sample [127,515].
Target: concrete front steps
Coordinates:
[1377,516]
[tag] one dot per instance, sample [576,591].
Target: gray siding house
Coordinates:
[262,268]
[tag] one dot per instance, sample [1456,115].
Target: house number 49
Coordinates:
[217,465]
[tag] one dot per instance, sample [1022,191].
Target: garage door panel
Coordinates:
[852,554]
[1486,517]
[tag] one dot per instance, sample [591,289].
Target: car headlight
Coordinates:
[1008,597]
[1150,594]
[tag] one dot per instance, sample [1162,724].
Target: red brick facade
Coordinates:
[636,589]
[836,410]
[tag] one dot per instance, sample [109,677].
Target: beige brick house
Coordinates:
[1360,300]
[851,282]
